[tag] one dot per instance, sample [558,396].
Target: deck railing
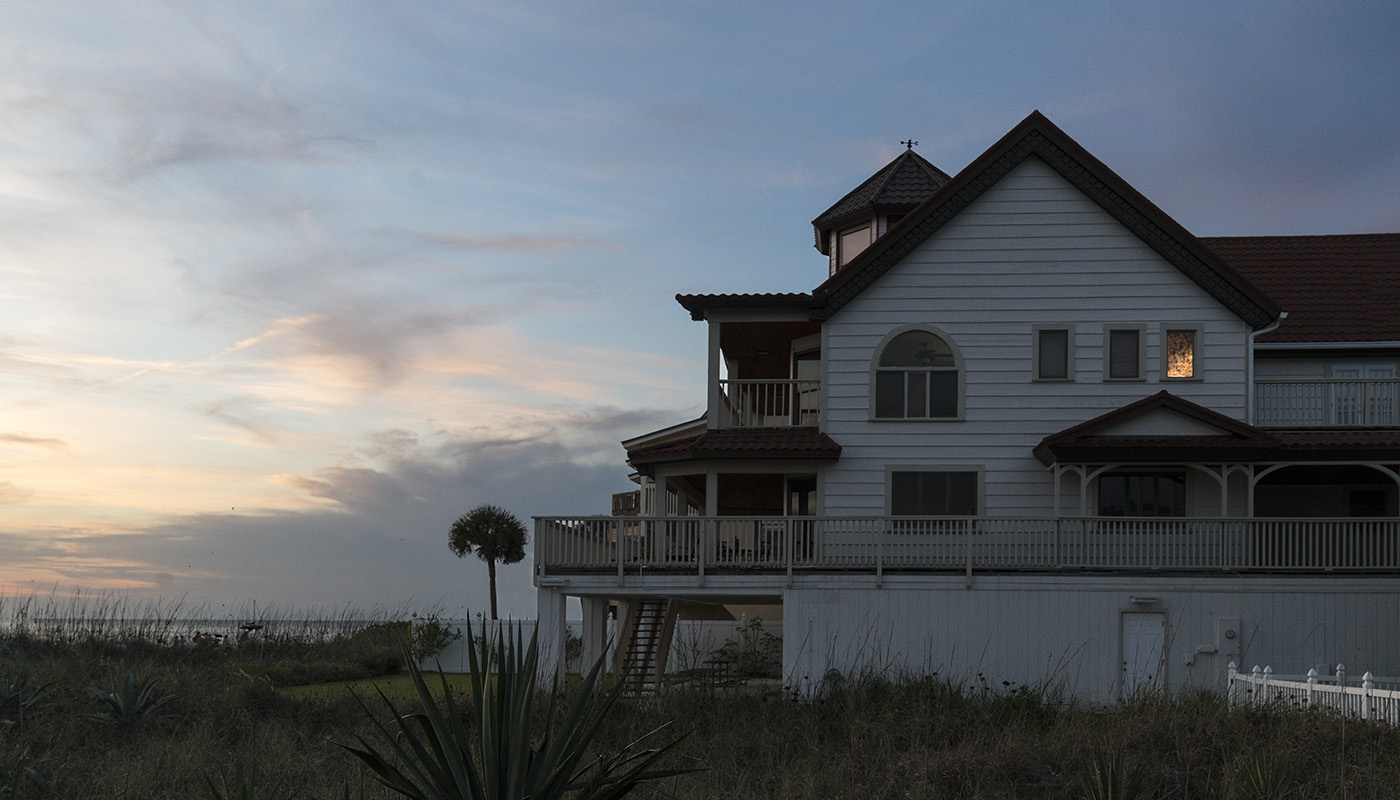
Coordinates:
[1327,403]
[769,403]
[878,544]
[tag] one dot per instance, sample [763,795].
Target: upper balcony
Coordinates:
[769,403]
[1327,403]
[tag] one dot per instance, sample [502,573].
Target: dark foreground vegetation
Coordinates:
[126,712]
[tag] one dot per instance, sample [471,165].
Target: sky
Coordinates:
[287,287]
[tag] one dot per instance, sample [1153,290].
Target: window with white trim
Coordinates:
[916,377]
[1123,354]
[1054,352]
[933,494]
[1181,352]
[851,243]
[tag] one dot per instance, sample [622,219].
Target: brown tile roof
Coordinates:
[1236,440]
[1085,440]
[1381,445]
[901,184]
[1342,288]
[1038,137]
[802,443]
[697,303]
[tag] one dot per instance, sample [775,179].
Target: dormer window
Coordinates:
[851,243]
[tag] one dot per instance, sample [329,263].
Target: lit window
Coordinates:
[916,378]
[1181,353]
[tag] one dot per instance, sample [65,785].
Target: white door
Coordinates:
[1144,635]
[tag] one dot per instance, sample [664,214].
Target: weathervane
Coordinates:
[909,144]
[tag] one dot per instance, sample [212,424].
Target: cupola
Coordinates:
[848,227]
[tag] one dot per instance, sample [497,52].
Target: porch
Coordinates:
[1327,402]
[697,546]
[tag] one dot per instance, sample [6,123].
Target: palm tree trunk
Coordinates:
[491,571]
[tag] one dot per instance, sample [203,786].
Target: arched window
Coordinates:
[916,377]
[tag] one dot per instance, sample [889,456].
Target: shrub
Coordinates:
[436,754]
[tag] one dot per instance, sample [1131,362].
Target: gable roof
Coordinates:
[1343,288]
[1037,136]
[905,182]
[1097,439]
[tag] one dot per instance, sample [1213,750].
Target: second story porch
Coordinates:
[1359,402]
[783,546]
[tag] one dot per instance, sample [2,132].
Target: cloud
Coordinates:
[380,540]
[10,494]
[33,441]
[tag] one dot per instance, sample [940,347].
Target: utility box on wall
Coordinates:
[1228,635]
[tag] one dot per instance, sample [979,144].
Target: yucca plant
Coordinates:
[1264,776]
[244,786]
[437,755]
[132,701]
[1108,780]
[17,696]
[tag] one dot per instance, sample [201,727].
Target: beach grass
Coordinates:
[269,714]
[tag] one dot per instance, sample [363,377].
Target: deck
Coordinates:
[789,545]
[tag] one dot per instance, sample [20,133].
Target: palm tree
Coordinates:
[496,534]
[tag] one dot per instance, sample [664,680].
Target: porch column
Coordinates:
[595,631]
[712,391]
[711,492]
[550,631]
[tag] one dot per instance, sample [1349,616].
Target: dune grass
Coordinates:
[267,714]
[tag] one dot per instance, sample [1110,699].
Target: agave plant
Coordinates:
[132,701]
[243,786]
[17,696]
[1108,780]
[435,755]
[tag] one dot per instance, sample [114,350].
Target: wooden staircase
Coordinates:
[645,642]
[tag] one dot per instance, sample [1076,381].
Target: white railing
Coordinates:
[769,403]
[876,544]
[1366,701]
[1327,403]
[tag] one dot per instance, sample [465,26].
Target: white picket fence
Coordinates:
[1314,690]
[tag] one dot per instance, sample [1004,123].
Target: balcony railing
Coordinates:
[876,544]
[769,404]
[1327,403]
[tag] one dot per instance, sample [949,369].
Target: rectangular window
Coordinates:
[1142,494]
[852,243]
[1181,353]
[1123,360]
[1052,354]
[933,494]
[916,394]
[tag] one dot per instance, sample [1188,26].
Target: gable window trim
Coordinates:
[1124,353]
[1052,347]
[962,486]
[935,379]
[1173,337]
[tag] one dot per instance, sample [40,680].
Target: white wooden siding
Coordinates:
[1030,250]
[1063,631]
